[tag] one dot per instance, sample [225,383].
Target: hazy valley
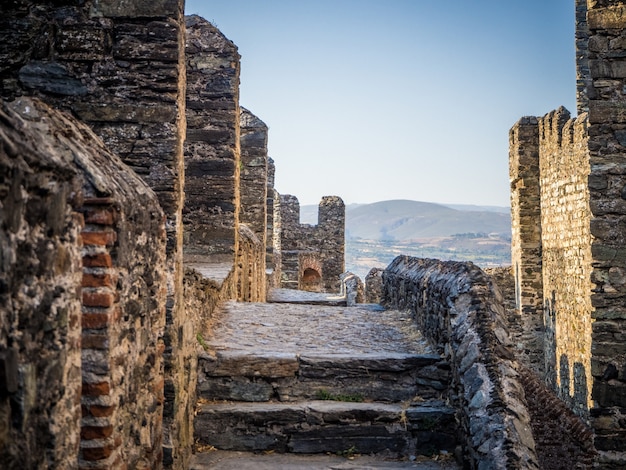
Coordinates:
[376,233]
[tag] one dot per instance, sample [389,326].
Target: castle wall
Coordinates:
[254,198]
[565,224]
[324,241]
[458,308]
[212,148]
[119,371]
[606,22]
[40,325]
[119,67]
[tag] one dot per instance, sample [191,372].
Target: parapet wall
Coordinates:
[459,309]
[566,260]
[606,23]
[40,331]
[212,147]
[122,298]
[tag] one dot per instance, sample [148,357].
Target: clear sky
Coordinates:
[397,99]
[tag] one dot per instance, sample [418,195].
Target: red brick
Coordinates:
[99,238]
[96,389]
[95,341]
[95,321]
[101,411]
[96,432]
[98,299]
[96,453]
[100,216]
[98,260]
[97,280]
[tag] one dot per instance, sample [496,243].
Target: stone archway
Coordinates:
[311,280]
[310,273]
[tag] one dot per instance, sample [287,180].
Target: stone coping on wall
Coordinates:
[460,310]
[216,272]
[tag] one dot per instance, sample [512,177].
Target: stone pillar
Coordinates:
[291,240]
[212,149]
[331,239]
[525,215]
[606,22]
[253,190]
[526,239]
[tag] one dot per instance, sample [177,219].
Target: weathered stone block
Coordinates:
[135,8]
[613,17]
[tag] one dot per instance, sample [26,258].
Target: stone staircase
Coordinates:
[317,379]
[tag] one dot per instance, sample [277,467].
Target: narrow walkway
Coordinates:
[268,364]
[224,460]
[304,329]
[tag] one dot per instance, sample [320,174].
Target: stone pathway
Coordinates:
[303,329]
[224,460]
[294,383]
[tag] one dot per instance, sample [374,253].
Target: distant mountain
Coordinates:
[376,233]
[411,220]
[472,207]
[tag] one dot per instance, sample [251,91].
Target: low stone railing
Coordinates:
[460,310]
[352,288]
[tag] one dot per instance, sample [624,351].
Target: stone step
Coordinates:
[390,377]
[230,460]
[328,426]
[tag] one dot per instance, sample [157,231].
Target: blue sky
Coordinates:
[397,99]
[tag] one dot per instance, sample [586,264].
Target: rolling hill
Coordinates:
[404,220]
[376,233]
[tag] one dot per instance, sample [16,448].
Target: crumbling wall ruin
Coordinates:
[300,244]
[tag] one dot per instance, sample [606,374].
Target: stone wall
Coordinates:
[526,237]
[40,276]
[271,263]
[123,299]
[321,246]
[606,22]
[254,190]
[119,67]
[460,310]
[566,242]
[212,148]
[582,229]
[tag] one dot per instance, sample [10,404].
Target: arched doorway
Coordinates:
[311,280]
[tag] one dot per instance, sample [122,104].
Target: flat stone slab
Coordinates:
[294,296]
[226,460]
[388,377]
[314,330]
[327,426]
